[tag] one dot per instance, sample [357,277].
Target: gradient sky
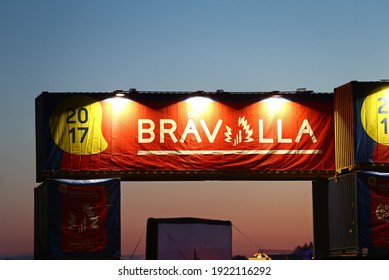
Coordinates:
[178,45]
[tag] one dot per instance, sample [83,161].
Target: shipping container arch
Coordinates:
[228,136]
[153,136]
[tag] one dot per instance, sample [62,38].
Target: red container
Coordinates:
[77,219]
[185,135]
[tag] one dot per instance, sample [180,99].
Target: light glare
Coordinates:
[198,104]
[275,103]
[118,103]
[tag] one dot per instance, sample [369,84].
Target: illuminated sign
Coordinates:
[172,133]
[374,116]
[371,103]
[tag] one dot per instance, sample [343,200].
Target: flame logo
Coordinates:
[382,212]
[244,133]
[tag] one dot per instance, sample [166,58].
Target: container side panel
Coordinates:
[342,215]
[37,223]
[320,218]
[39,137]
[344,134]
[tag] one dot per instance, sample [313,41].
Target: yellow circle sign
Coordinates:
[75,126]
[375,114]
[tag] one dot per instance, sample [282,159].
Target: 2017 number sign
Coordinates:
[81,116]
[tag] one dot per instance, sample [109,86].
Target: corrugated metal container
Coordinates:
[342,215]
[361,111]
[235,136]
[77,219]
[358,215]
[344,132]
[320,218]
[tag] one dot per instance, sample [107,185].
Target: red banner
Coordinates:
[83,218]
[198,134]
[380,210]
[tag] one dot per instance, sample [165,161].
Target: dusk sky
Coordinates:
[170,45]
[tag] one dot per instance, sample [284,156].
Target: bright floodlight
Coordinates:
[275,103]
[198,104]
[118,103]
